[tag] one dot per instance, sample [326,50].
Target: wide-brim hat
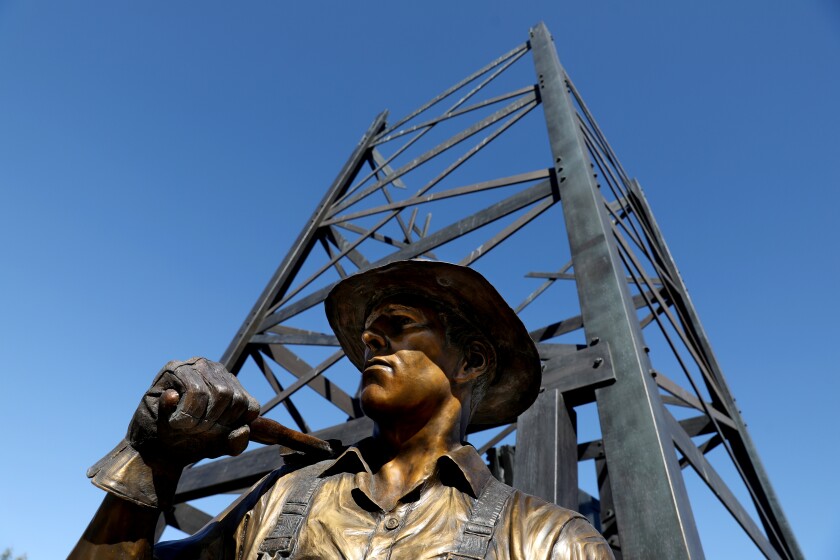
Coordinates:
[516,381]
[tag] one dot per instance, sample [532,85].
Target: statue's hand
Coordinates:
[210,419]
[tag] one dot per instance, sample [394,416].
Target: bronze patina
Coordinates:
[439,350]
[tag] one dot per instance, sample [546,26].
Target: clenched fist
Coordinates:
[210,419]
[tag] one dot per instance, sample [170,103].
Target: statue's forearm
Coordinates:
[138,490]
[119,529]
[141,473]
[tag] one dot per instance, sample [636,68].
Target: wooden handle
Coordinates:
[267,431]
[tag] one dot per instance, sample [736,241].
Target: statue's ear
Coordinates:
[475,362]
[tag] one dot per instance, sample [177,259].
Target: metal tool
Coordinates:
[267,431]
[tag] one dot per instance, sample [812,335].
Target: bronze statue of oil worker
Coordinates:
[439,350]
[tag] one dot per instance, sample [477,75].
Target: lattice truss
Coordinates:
[469,178]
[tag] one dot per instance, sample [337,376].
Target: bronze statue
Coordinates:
[438,349]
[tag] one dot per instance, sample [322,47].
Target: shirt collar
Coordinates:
[461,467]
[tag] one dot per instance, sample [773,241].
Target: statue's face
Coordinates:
[408,364]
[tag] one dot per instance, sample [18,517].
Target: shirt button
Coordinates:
[392,523]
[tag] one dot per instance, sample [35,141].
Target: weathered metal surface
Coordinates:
[607,520]
[577,374]
[546,443]
[644,472]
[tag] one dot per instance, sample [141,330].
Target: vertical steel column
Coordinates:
[607,513]
[546,443]
[651,505]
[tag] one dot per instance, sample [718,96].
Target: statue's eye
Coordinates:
[402,320]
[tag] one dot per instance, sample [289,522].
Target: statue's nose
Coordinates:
[373,341]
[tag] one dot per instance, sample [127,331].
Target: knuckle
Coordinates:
[193,366]
[181,420]
[225,391]
[192,382]
[172,365]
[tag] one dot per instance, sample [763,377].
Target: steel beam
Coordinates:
[708,474]
[650,501]
[775,523]
[279,283]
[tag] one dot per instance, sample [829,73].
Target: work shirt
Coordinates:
[344,521]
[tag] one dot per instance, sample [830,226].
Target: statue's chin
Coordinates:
[375,403]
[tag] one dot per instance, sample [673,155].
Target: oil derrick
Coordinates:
[493,173]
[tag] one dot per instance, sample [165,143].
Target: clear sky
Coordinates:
[157,160]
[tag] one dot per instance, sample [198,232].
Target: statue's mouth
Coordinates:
[377,363]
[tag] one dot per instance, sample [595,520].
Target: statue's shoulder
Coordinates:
[528,506]
[289,475]
[543,526]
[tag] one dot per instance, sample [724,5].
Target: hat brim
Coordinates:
[516,382]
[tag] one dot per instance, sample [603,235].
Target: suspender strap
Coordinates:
[478,531]
[283,537]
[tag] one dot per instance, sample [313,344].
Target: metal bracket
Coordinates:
[578,373]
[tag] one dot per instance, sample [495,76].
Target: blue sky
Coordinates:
[157,160]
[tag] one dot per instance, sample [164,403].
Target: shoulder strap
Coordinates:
[283,537]
[478,531]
